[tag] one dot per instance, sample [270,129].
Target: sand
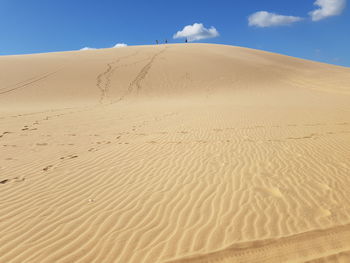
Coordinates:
[173,153]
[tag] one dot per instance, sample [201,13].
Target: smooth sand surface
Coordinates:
[173,153]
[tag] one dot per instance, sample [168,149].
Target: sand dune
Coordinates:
[173,153]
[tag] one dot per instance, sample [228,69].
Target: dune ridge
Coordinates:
[173,153]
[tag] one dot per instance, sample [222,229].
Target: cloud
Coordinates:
[327,8]
[87,48]
[196,32]
[267,19]
[120,45]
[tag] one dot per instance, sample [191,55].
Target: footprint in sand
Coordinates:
[4,133]
[47,168]
[4,181]
[69,157]
[42,144]
[18,180]
[103,142]
[92,150]
[9,145]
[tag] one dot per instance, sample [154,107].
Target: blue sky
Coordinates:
[33,26]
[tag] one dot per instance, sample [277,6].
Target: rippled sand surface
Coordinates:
[173,153]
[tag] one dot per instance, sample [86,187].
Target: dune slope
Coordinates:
[173,153]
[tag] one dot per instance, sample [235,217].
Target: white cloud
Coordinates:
[115,46]
[196,32]
[327,8]
[87,48]
[120,45]
[267,19]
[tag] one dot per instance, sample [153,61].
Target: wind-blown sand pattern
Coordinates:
[173,153]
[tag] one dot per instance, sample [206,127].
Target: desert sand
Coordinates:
[173,153]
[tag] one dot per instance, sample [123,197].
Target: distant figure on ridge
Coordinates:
[157,42]
[166,41]
[186,40]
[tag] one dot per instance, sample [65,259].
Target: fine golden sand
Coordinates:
[173,153]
